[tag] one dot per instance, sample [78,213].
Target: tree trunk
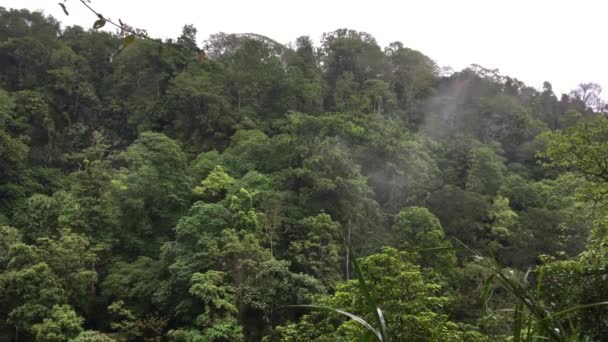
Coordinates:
[348,253]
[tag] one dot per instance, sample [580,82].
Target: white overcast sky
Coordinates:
[561,41]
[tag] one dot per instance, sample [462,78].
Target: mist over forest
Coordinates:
[239,189]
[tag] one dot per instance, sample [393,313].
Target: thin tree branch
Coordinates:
[124,27]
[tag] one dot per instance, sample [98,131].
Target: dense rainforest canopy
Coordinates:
[145,195]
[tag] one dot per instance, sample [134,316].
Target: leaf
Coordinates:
[99,23]
[372,303]
[201,57]
[65,10]
[485,292]
[383,327]
[518,322]
[576,308]
[128,40]
[345,313]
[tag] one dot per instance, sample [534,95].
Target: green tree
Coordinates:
[37,217]
[215,186]
[13,150]
[315,248]
[62,325]
[413,78]
[486,171]
[274,287]
[303,79]
[8,237]
[91,205]
[26,48]
[380,97]
[92,336]
[140,78]
[123,320]
[201,108]
[153,191]
[348,52]
[28,290]
[253,72]
[150,186]
[73,263]
[416,228]
[218,321]
[408,299]
[503,221]
[346,96]
[135,283]
[463,214]
[521,192]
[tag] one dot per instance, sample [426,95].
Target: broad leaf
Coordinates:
[99,23]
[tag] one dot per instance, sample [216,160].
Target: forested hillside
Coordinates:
[147,193]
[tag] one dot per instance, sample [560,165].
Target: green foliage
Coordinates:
[62,325]
[37,217]
[216,297]
[197,92]
[315,248]
[532,319]
[175,192]
[8,237]
[413,79]
[581,148]
[91,206]
[217,322]
[153,191]
[92,336]
[521,192]
[462,214]
[134,283]
[123,320]
[214,187]
[13,149]
[503,220]
[72,260]
[157,168]
[204,163]
[413,306]
[275,286]
[416,228]
[486,171]
[29,289]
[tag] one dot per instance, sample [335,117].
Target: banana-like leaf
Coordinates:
[576,308]
[355,318]
[372,303]
[485,292]
[518,323]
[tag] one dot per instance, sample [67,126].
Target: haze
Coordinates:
[559,41]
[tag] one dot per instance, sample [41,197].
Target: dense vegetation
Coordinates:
[146,195]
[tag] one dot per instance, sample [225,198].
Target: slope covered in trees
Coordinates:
[146,195]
